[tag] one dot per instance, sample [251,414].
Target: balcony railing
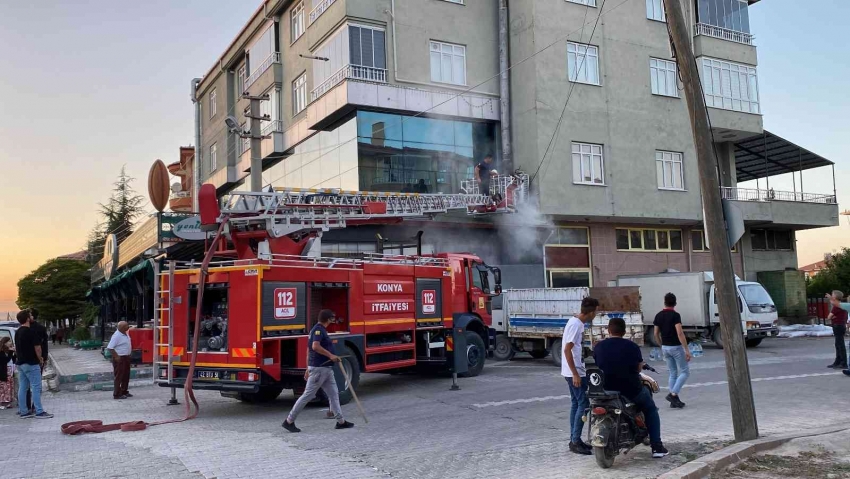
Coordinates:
[749,194]
[273,126]
[723,33]
[320,9]
[267,63]
[355,72]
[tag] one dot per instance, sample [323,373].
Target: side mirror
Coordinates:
[497,276]
[498,289]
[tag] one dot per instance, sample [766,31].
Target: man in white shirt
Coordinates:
[119,348]
[572,368]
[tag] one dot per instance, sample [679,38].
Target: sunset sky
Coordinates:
[89,86]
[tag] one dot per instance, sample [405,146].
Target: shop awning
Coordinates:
[769,155]
[125,281]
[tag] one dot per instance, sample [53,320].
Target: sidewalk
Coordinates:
[81,370]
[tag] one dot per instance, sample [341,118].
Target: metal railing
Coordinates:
[267,63]
[355,72]
[750,194]
[723,33]
[273,126]
[319,10]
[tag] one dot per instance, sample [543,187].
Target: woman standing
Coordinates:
[7,359]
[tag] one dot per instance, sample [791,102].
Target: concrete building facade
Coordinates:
[403,95]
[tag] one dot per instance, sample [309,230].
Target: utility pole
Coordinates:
[735,352]
[507,165]
[256,140]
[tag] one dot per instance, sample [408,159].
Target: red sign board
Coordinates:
[285,303]
[429,301]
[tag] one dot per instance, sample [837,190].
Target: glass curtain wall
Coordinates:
[729,14]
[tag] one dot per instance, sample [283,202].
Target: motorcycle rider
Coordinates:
[621,361]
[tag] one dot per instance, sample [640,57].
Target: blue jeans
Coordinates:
[30,378]
[580,404]
[645,403]
[677,364]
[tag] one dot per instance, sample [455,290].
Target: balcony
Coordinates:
[319,10]
[723,34]
[750,194]
[180,201]
[271,146]
[354,72]
[272,59]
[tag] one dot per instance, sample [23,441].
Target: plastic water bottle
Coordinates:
[655,354]
[696,349]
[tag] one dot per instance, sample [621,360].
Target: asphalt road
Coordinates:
[512,421]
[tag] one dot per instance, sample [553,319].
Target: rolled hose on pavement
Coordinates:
[192,407]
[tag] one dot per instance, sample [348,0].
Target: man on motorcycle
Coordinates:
[622,362]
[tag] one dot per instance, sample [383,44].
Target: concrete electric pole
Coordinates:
[256,141]
[737,368]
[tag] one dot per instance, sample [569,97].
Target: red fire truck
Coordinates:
[268,282]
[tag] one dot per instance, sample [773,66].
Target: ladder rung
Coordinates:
[162,327]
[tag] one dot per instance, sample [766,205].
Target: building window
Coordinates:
[669,170]
[459,2]
[589,3]
[729,14]
[297,16]
[567,257]
[213,157]
[583,63]
[299,94]
[730,86]
[772,240]
[663,77]
[699,243]
[655,10]
[648,240]
[213,95]
[448,63]
[588,164]
[240,82]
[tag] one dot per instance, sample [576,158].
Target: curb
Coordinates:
[101,381]
[702,467]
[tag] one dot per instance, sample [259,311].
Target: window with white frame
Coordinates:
[663,77]
[240,81]
[213,95]
[669,169]
[459,2]
[448,63]
[655,10]
[297,16]
[299,94]
[213,157]
[583,63]
[589,3]
[730,86]
[588,164]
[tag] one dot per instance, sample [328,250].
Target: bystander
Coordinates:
[30,361]
[120,347]
[674,348]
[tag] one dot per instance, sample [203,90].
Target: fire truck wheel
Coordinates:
[504,349]
[352,369]
[555,350]
[265,394]
[476,354]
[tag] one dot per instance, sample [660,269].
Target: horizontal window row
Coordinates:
[662,240]
[588,162]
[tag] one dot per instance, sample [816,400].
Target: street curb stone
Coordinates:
[702,467]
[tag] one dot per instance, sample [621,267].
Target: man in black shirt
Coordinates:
[622,362]
[482,174]
[30,361]
[674,347]
[319,374]
[41,333]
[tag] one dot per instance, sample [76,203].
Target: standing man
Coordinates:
[838,316]
[120,348]
[41,333]
[622,362]
[30,362]
[674,348]
[319,374]
[572,368]
[482,174]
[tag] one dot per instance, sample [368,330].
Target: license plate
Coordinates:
[206,374]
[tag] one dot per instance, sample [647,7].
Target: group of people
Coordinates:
[621,361]
[30,357]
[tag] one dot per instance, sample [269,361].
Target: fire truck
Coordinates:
[268,281]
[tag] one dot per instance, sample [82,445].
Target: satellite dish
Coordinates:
[176,187]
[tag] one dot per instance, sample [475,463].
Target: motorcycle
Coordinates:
[615,422]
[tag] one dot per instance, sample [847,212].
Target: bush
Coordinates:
[81,334]
[836,275]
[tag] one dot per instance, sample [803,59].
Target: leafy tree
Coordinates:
[836,275]
[123,207]
[57,289]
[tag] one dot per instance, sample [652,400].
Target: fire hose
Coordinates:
[192,407]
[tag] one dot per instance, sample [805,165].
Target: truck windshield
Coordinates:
[755,295]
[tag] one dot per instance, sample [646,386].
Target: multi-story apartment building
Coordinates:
[403,95]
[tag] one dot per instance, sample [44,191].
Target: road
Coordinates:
[512,421]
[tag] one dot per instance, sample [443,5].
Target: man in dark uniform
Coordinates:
[320,374]
[482,174]
[41,333]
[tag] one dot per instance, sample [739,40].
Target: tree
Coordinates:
[123,208]
[836,275]
[57,289]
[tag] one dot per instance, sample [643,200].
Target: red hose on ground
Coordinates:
[96,426]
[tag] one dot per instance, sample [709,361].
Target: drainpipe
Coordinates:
[505,88]
[196,164]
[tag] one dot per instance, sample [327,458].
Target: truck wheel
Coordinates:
[753,343]
[504,349]
[265,394]
[538,353]
[717,337]
[476,354]
[555,349]
[649,336]
[352,368]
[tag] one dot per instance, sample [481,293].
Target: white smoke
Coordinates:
[523,233]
